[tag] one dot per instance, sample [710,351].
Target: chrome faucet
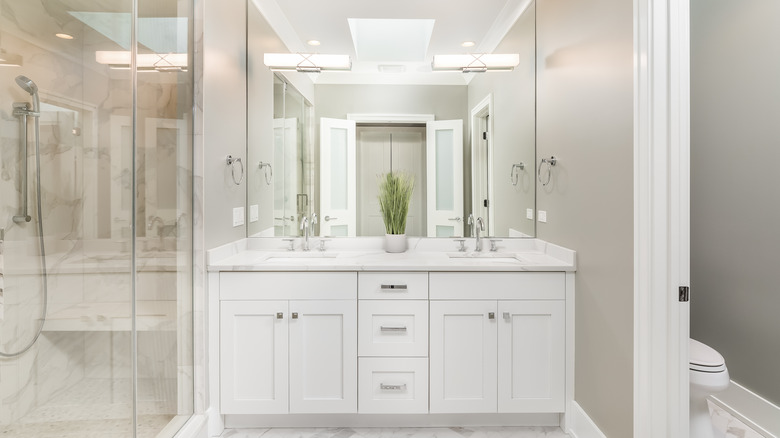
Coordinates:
[305,229]
[470,223]
[480,226]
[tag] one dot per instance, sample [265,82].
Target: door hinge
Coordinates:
[684,294]
[484,136]
[485,203]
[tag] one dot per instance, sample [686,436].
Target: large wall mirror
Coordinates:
[469,147]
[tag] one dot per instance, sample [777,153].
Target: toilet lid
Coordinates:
[704,358]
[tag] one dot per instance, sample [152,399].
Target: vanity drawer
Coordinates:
[393,285]
[392,328]
[392,385]
[498,285]
[287,285]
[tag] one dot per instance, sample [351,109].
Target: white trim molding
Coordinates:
[661,234]
[581,425]
[391,118]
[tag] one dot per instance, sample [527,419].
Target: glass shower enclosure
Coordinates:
[96,103]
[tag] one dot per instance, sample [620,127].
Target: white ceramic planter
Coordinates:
[395,242]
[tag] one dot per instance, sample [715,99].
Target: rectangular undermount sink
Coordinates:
[302,257]
[480,255]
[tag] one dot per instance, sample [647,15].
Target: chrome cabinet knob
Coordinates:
[295,315]
[491,315]
[279,315]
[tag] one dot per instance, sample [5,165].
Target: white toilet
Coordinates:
[708,375]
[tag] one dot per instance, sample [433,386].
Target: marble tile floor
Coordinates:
[405,432]
[91,408]
[728,425]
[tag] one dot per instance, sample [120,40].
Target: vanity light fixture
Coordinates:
[476,62]
[307,62]
[145,61]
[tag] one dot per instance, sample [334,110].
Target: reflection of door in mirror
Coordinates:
[445,178]
[480,172]
[389,148]
[286,176]
[338,193]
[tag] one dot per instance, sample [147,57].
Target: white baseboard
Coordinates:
[750,408]
[581,424]
[194,427]
[216,422]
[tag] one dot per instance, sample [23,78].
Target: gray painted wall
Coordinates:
[224,117]
[514,122]
[585,119]
[735,186]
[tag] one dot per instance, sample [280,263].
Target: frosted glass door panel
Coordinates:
[445,178]
[338,172]
[338,169]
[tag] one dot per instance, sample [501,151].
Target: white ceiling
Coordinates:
[484,22]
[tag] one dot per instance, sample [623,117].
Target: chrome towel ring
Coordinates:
[550,163]
[514,178]
[232,163]
[268,169]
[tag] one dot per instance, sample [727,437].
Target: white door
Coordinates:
[253,355]
[445,178]
[338,192]
[323,357]
[463,356]
[531,356]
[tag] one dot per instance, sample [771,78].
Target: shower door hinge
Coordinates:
[484,135]
[684,294]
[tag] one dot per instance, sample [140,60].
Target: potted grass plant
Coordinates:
[395,193]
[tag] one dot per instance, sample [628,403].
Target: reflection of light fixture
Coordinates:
[145,61]
[467,44]
[476,62]
[10,59]
[307,62]
[313,43]
[64,36]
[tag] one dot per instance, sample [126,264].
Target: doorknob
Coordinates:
[328,218]
[456,219]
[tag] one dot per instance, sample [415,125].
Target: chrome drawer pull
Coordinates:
[393,328]
[279,315]
[385,386]
[393,287]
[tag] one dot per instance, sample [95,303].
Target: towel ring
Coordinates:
[268,178]
[232,163]
[513,176]
[550,163]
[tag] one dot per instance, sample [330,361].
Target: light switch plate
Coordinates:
[254,213]
[238,216]
[529,213]
[542,216]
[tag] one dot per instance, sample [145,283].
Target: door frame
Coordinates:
[661,216]
[480,110]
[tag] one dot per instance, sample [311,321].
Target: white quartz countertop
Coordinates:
[366,254]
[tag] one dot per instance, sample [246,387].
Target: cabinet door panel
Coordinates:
[253,369]
[462,357]
[323,356]
[531,356]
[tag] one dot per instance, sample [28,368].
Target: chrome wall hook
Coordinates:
[550,163]
[514,176]
[268,169]
[232,163]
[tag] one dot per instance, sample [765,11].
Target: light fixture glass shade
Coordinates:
[144,61]
[307,62]
[476,62]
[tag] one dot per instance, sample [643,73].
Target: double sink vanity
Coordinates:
[353,332]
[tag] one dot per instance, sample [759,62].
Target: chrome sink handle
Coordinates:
[461,244]
[494,244]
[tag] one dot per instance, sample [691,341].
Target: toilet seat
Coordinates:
[703,358]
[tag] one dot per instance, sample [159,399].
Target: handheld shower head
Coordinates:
[29,86]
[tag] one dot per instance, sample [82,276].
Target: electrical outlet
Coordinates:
[254,213]
[542,216]
[238,216]
[529,213]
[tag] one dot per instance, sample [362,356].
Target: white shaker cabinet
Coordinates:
[463,356]
[323,357]
[253,352]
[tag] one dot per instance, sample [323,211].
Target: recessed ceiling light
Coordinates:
[467,44]
[64,36]
[313,43]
